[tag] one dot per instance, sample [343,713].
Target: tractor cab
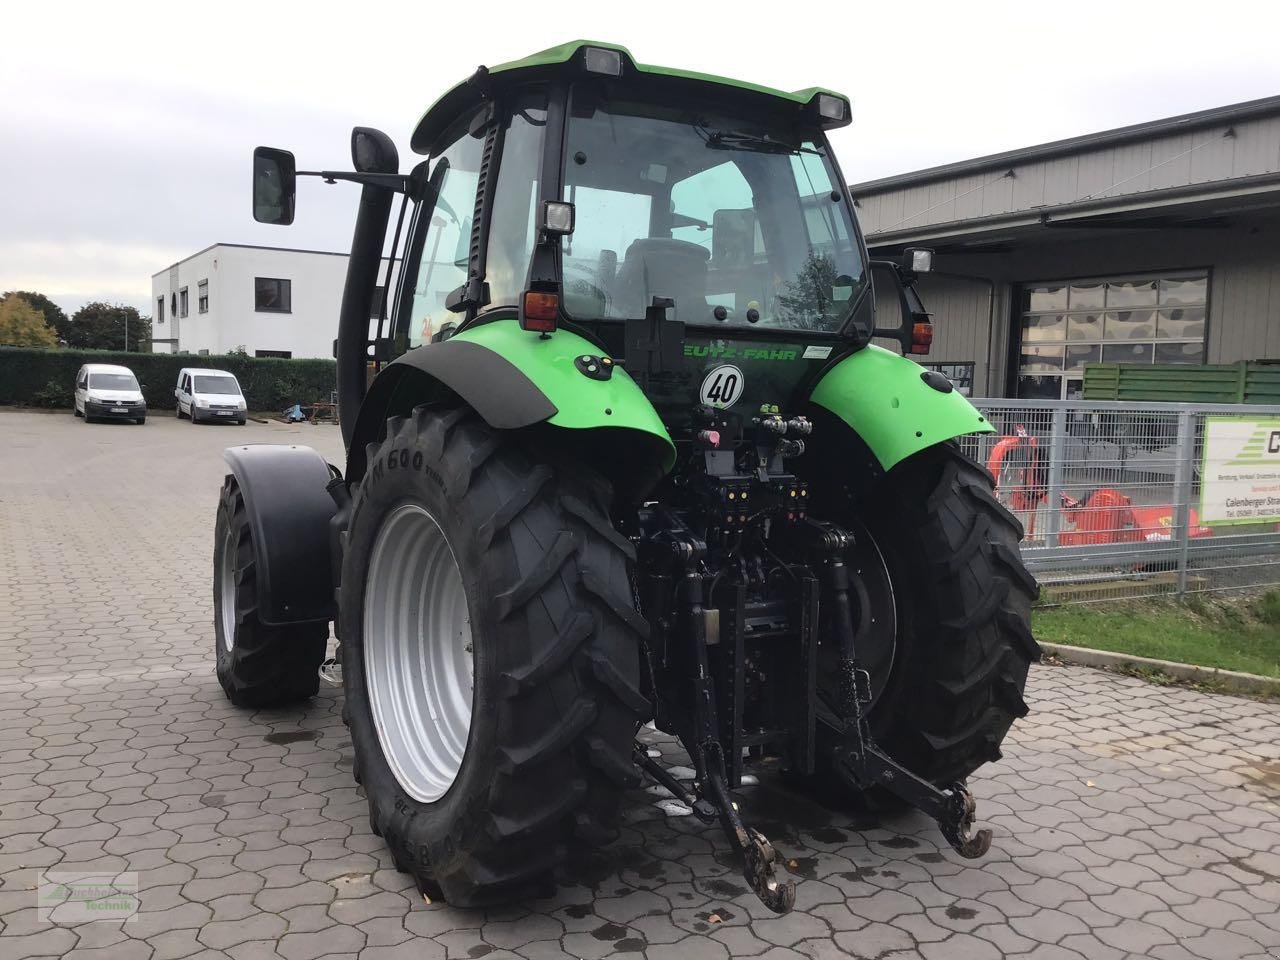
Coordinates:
[692,229]
[628,454]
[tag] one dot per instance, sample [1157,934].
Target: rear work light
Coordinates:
[921,337]
[600,60]
[831,108]
[539,311]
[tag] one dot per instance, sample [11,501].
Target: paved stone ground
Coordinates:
[1130,820]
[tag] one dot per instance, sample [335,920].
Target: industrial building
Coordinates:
[268,301]
[1155,243]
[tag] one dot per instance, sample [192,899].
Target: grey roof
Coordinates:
[1185,122]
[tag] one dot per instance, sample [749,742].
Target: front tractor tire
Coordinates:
[962,601]
[491,655]
[257,665]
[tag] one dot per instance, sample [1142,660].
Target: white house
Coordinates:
[270,301]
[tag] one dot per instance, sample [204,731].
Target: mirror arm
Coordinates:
[400,183]
[909,302]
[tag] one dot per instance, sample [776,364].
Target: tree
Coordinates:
[22,325]
[54,315]
[102,326]
[808,297]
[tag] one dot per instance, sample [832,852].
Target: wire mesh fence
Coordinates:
[1122,500]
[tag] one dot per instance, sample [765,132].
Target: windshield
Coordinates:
[225,385]
[112,381]
[738,221]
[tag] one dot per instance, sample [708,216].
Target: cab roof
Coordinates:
[106,368]
[208,371]
[561,60]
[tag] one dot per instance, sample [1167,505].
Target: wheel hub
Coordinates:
[227,580]
[419,669]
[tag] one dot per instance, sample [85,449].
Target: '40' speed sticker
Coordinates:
[722,387]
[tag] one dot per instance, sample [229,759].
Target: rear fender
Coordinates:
[515,379]
[289,508]
[897,408]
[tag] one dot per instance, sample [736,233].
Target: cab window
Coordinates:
[515,200]
[442,244]
[441,247]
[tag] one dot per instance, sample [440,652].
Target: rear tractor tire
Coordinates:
[962,602]
[258,665]
[491,655]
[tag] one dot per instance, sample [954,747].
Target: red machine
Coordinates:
[1104,515]
[1021,474]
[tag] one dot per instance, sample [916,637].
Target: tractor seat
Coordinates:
[662,267]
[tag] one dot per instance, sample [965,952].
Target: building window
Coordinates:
[202,296]
[1066,324]
[272,296]
[282,354]
[173,303]
[960,375]
[182,302]
[159,309]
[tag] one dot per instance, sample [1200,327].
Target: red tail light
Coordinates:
[540,311]
[921,337]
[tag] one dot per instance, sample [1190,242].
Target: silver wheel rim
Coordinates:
[419,672]
[228,593]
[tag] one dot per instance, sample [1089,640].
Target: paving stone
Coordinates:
[222,934]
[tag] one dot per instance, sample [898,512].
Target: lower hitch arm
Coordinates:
[758,855]
[953,808]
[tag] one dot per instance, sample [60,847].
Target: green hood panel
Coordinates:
[881,396]
[581,403]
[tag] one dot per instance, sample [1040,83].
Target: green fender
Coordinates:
[580,402]
[883,397]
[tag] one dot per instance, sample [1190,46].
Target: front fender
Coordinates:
[514,379]
[888,401]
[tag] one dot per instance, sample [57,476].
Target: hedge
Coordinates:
[36,377]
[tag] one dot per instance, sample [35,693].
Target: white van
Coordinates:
[108,392]
[208,395]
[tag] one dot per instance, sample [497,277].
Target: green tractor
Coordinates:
[629,456]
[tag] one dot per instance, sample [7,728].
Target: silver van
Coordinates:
[209,395]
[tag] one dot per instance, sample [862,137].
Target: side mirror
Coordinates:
[275,184]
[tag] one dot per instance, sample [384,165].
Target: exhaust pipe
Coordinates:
[372,152]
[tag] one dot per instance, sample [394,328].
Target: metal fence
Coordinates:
[1122,499]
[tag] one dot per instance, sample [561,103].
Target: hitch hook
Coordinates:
[712,800]
[758,859]
[957,821]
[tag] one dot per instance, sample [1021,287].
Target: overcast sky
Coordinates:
[129,127]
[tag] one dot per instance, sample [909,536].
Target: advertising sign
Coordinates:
[1240,472]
